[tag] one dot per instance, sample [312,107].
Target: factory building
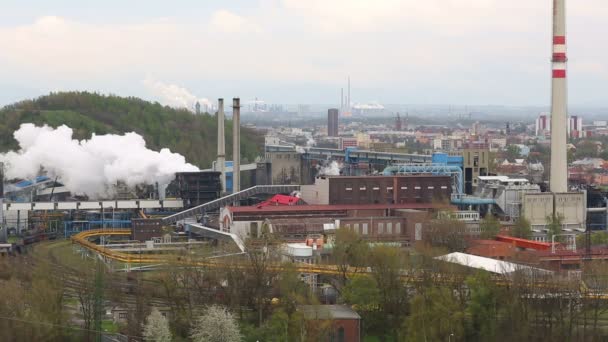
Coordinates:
[475,163]
[506,192]
[285,167]
[571,206]
[196,188]
[377,189]
[374,222]
[146,229]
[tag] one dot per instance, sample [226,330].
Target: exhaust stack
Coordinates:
[559,102]
[236,145]
[221,143]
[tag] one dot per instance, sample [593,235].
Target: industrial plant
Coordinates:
[299,191]
[358,211]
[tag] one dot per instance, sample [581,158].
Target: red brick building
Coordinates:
[374,222]
[342,322]
[377,189]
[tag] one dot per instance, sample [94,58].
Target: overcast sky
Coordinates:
[301,51]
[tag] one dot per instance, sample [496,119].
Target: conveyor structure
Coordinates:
[220,202]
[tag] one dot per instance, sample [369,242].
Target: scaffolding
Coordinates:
[44,221]
[74,227]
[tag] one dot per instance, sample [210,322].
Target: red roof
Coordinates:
[280,200]
[524,243]
[491,249]
[333,207]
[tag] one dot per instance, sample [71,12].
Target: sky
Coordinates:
[457,52]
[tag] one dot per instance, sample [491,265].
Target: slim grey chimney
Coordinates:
[236,145]
[341,100]
[348,98]
[221,143]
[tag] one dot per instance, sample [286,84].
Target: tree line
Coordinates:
[401,295]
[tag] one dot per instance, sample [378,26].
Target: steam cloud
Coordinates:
[90,166]
[174,95]
[333,169]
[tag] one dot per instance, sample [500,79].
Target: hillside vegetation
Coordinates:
[194,136]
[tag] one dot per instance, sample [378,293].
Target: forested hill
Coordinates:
[194,136]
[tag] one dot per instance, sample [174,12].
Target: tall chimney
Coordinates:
[221,143]
[559,166]
[348,96]
[236,145]
[341,100]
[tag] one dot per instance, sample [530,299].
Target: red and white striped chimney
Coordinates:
[559,103]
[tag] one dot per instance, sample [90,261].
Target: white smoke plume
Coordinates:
[310,141]
[91,166]
[333,169]
[175,96]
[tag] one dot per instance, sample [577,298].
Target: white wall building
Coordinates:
[543,124]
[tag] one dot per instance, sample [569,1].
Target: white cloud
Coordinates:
[390,43]
[173,95]
[223,21]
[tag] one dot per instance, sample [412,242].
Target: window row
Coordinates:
[389,189]
[382,228]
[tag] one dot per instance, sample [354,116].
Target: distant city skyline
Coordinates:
[288,52]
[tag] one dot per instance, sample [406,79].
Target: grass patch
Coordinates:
[109,326]
[71,301]
[64,253]
[371,339]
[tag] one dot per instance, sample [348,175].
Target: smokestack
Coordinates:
[341,100]
[236,145]
[348,96]
[559,165]
[221,143]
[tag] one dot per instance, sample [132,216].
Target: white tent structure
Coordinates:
[489,264]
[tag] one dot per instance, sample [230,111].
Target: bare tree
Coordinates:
[446,232]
